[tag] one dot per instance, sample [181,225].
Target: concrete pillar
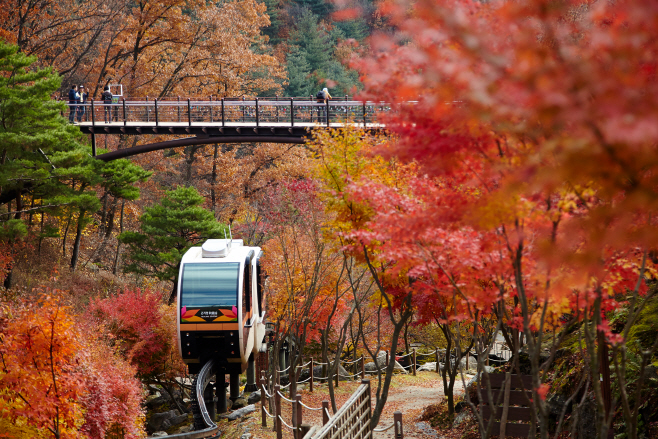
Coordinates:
[251,376]
[234,384]
[220,389]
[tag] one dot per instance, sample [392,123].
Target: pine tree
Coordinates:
[300,82]
[168,230]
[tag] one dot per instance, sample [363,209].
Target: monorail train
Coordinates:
[221,305]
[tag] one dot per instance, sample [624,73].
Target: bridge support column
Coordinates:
[251,375]
[234,383]
[220,391]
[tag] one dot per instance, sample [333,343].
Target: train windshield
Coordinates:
[210,285]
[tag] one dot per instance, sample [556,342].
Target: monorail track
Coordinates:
[204,426]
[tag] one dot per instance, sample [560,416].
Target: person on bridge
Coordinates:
[322,97]
[107,100]
[83,99]
[73,99]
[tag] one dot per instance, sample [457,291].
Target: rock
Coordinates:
[254,397]
[426,429]
[461,417]
[239,413]
[427,367]
[587,419]
[239,403]
[381,362]
[461,405]
[229,404]
[161,421]
[555,406]
[343,375]
[159,434]
[178,420]
[186,429]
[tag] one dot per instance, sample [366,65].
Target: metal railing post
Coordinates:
[179,108]
[292,113]
[148,113]
[325,412]
[277,411]
[327,112]
[223,117]
[276,98]
[413,365]
[397,420]
[257,115]
[364,114]
[211,110]
[311,375]
[157,119]
[243,111]
[298,421]
[93,134]
[189,113]
[125,119]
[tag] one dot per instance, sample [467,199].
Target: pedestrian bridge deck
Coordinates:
[224,120]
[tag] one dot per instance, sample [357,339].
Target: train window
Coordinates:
[210,284]
[246,294]
[260,278]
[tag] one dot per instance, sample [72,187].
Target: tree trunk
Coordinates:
[117,257]
[78,238]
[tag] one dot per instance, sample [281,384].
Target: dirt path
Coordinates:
[411,399]
[408,394]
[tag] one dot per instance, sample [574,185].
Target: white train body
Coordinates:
[220,305]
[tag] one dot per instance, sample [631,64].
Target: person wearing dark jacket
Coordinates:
[73,99]
[107,100]
[82,100]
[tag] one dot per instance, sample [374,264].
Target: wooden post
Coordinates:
[277,411]
[397,420]
[311,374]
[436,350]
[291,378]
[413,364]
[298,423]
[325,412]
[363,367]
[263,400]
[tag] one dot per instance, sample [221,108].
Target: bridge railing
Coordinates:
[352,420]
[230,112]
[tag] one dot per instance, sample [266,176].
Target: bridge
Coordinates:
[225,120]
